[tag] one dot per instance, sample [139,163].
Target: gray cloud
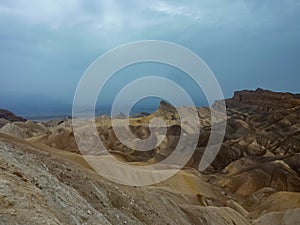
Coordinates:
[46,45]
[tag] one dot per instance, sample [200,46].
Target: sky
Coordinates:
[46,45]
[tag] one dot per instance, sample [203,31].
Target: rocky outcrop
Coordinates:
[167,111]
[7,116]
[261,124]
[264,100]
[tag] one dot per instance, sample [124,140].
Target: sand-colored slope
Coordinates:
[44,186]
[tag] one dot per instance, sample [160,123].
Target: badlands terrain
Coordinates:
[255,178]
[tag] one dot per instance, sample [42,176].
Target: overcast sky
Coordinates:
[46,45]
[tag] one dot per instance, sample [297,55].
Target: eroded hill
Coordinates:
[253,180]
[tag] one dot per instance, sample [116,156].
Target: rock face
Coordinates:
[264,100]
[255,178]
[167,111]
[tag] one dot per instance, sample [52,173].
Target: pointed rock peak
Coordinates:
[167,110]
[166,106]
[260,90]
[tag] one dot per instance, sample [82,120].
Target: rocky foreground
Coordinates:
[255,179]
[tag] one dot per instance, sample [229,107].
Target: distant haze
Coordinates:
[45,46]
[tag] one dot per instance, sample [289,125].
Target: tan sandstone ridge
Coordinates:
[254,179]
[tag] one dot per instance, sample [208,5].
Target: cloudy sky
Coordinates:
[46,45]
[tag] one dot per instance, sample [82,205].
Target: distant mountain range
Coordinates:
[33,104]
